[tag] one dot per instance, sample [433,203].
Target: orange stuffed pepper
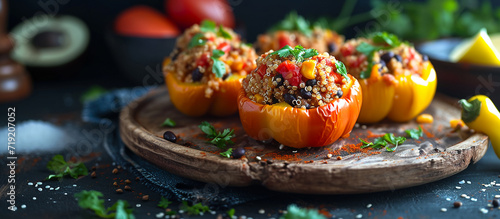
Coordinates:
[299,98]
[397,82]
[203,74]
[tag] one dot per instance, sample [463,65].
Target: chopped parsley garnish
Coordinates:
[298,52]
[164,203]
[415,133]
[227,153]
[220,139]
[230,212]
[92,200]
[386,40]
[341,69]
[384,141]
[218,68]
[197,40]
[62,168]
[294,22]
[294,212]
[210,26]
[195,209]
[168,122]
[92,93]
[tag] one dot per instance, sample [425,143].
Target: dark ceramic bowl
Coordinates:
[140,58]
[459,79]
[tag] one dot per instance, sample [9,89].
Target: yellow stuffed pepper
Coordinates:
[203,74]
[397,82]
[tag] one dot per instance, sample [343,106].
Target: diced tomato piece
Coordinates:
[284,40]
[224,47]
[290,72]
[262,70]
[203,60]
[347,50]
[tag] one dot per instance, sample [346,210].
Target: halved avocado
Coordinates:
[49,42]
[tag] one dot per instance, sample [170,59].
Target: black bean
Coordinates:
[398,58]
[305,94]
[170,136]
[308,106]
[311,82]
[457,204]
[382,65]
[425,58]
[226,76]
[238,152]
[289,98]
[387,56]
[332,47]
[196,75]
[340,93]
[176,54]
[495,203]
[275,100]
[280,82]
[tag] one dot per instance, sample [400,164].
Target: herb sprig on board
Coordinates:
[384,41]
[415,133]
[219,139]
[62,168]
[195,209]
[294,212]
[384,141]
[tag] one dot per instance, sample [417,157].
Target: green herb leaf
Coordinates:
[92,93]
[223,33]
[341,69]
[415,133]
[91,200]
[164,203]
[298,52]
[218,68]
[168,122]
[207,26]
[386,38]
[62,168]
[195,209]
[294,212]
[216,53]
[220,139]
[230,212]
[294,22]
[387,41]
[379,143]
[365,143]
[470,110]
[227,153]
[197,40]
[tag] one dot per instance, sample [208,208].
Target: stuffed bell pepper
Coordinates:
[397,82]
[204,72]
[299,98]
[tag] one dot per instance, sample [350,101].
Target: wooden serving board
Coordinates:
[437,155]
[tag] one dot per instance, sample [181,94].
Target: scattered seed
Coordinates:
[23,206]
[115,184]
[258,158]
[497,196]
[262,211]
[65,193]
[463,195]
[294,151]
[444,209]
[138,205]
[119,191]
[281,146]
[115,171]
[474,199]
[369,205]
[461,182]
[40,189]
[469,182]
[34,198]
[127,188]
[495,203]
[483,210]
[458,187]
[457,204]
[160,215]
[145,197]
[448,199]
[128,181]
[39,183]
[170,136]
[74,185]
[484,190]
[93,175]
[30,184]
[489,205]
[359,216]
[51,188]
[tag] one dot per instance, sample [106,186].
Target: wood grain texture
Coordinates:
[439,154]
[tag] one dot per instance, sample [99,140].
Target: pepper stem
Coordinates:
[470,110]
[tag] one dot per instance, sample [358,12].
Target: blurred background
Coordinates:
[103,65]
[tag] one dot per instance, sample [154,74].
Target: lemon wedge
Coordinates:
[477,50]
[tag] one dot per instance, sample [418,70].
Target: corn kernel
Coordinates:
[425,118]
[456,123]
[308,69]
[258,98]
